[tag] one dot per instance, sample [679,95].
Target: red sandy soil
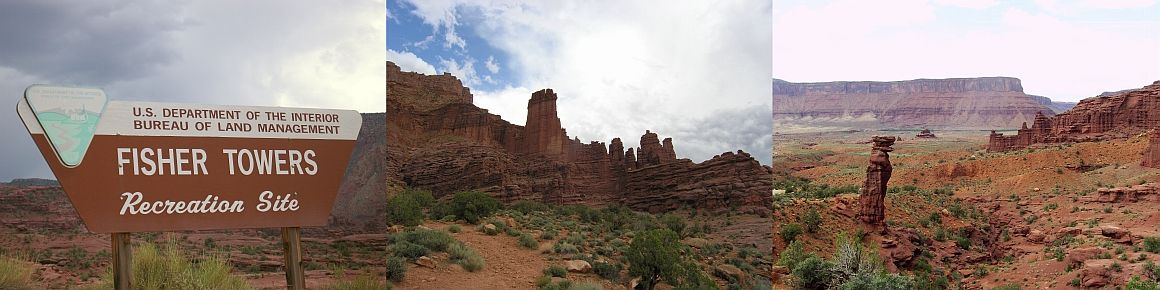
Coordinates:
[1036,196]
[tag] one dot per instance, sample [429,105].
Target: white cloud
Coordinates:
[1117,4]
[408,61]
[623,67]
[267,53]
[465,70]
[972,4]
[491,65]
[1064,58]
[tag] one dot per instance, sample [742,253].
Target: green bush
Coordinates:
[812,220]
[422,197]
[16,274]
[168,268]
[396,269]
[556,271]
[409,250]
[1141,284]
[652,255]
[404,210]
[470,206]
[811,273]
[673,223]
[454,229]
[434,240]
[528,242]
[1152,244]
[362,282]
[963,242]
[789,232]
[792,255]
[565,248]
[607,271]
[527,207]
[692,278]
[466,257]
[1011,286]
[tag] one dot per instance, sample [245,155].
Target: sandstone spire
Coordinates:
[1152,153]
[873,193]
[543,133]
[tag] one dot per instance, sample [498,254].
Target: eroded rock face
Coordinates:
[873,195]
[1149,192]
[1152,153]
[1116,115]
[425,92]
[938,103]
[457,147]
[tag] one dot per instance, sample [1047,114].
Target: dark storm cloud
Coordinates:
[88,41]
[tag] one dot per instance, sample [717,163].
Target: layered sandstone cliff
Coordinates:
[935,103]
[1107,116]
[1152,153]
[438,142]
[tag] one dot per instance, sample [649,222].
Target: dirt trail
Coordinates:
[508,265]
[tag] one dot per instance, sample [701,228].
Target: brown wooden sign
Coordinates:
[145,166]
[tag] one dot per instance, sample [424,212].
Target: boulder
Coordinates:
[577,266]
[425,262]
[725,271]
[1076,257]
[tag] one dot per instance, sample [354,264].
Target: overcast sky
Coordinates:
[265,53]
[697,71]
[1065,50]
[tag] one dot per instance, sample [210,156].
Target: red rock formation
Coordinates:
[458,146]
[1152,153]
[873,195]
[940,103]
[425,92]
[543,134]
[1145,192]
[1116,115]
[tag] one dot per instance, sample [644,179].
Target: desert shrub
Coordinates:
[747,251]
[935,218]
[692,278]
[168,268]
[811,273]
[963,242]
[565,248]
[528,242]
[548,234]
[607,271]
[586,286]
[409,250]
[792,255]
[396,269]
[470,206]
[404,210]
[466,257]
[1152,244]
[673,223]
[556,271]
[361,282]
[1011,286]
[812,220]
[421,197]
[878,281]
[487,230]
[852,262]
[789,232]
[653,255]
[454,229]
[16,274]
[431,239]
[1141,284]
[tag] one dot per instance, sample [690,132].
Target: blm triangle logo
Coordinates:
[68,116]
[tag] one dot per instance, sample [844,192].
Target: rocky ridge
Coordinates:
[936,103]
[1117,115]
[439,141]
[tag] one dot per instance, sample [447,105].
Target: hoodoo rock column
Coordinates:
[542,133]
[873,193]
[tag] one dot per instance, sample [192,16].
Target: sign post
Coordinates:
[147,166]
[122,261]
[292,247]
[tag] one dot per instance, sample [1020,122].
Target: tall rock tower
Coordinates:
[542,133]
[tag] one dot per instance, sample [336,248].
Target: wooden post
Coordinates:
[122,261]
[292,249]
